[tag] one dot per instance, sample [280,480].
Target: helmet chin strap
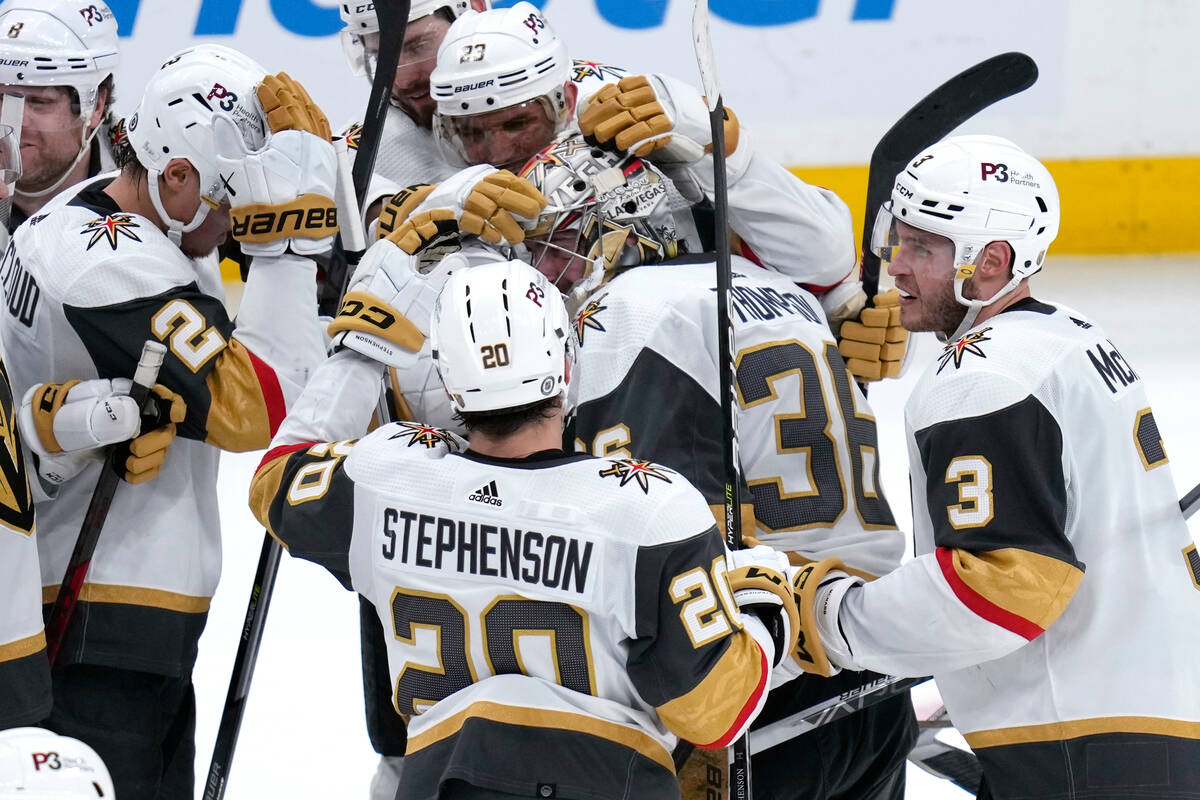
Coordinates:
[85,149]
[974,306]
[175,228]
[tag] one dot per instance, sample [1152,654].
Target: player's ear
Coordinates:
[571,93]
[996,261]
[479,5]
[179,175]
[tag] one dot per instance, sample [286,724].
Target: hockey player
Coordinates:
[59,55]
[558,619]
[485,115]
[123,259]
[37,764]
[1034,456]
[648,389]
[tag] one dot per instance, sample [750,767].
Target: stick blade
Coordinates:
[705,60]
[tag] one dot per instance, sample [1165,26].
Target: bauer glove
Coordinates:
[653,116]
[875,346]
[759,580]
[281,194]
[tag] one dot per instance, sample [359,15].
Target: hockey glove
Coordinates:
[386,313]
[66,424]
[758,577]
[653,116]
[143,457]
[281,194]
[815,585]
[479,201]
[874,347]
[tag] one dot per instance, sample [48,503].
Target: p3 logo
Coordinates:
[998,172]
[93,14]
[226,99]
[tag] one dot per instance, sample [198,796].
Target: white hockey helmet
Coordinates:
[175,119]
[69,43]
[360,20]
[37,764]
[493,60]
[974,190]
[623,211]
[501,338]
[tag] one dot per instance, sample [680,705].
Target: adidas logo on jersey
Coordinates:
[487,494]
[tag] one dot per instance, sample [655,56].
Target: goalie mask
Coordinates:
[501,339]
[974,190]
[37,764]
[606,212]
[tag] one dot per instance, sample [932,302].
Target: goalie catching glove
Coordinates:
[66,424]
[875,345]
[281,194]
[655,117]
[479,201]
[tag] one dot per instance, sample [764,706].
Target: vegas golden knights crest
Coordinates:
[967,344]
[16,503]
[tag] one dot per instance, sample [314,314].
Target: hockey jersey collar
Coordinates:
[542,459]
[1031,304]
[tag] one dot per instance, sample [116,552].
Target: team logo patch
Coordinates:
[587,317]
[592,69]
[967,344]
[628,469]
[110,228]
[425,435]
[352,135]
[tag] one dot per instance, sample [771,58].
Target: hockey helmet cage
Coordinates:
[497,59]
[59,43]
[974,190]
[175,119]
[501,338]
[37,764]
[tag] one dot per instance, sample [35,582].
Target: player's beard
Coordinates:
[940,310]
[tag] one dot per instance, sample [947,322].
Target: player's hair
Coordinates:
[505,422]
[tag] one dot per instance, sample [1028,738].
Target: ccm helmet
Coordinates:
[501,338]
[974,190]
[37,764]
[360,21]
[175,119]
[498,59]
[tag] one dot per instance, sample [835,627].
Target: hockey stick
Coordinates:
[393,20]
[739,778]
[144,377]
[1190,502]
[939,113]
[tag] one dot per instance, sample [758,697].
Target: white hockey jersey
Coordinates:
[1034,456]
[24,670]
[648,388]
[85,285]
[557,620]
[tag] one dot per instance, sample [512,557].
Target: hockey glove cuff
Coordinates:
[77,416]
[810,653]
[400,206]
[875,346]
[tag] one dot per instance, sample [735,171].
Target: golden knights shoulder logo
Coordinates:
[628,469]
[110,228]
[425,435]
[352,135]
[593,69]
[967,344]
[587,317]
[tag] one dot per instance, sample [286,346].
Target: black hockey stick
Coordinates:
[1190,502]
[739,777]
[393,20]
[144,377]
[932,119]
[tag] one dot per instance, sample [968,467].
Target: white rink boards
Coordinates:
[303,735]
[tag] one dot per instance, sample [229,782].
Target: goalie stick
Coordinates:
[739,777]
[144,377]
[929,121]
[393,20]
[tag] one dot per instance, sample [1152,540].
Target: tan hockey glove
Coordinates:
[875,345]
[400,206]
[283,190]
[147,453]
[624,115]
[289,107]
[809,652]
[489,208]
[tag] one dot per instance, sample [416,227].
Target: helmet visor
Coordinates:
[505,138]
[10,155]
[48,109]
